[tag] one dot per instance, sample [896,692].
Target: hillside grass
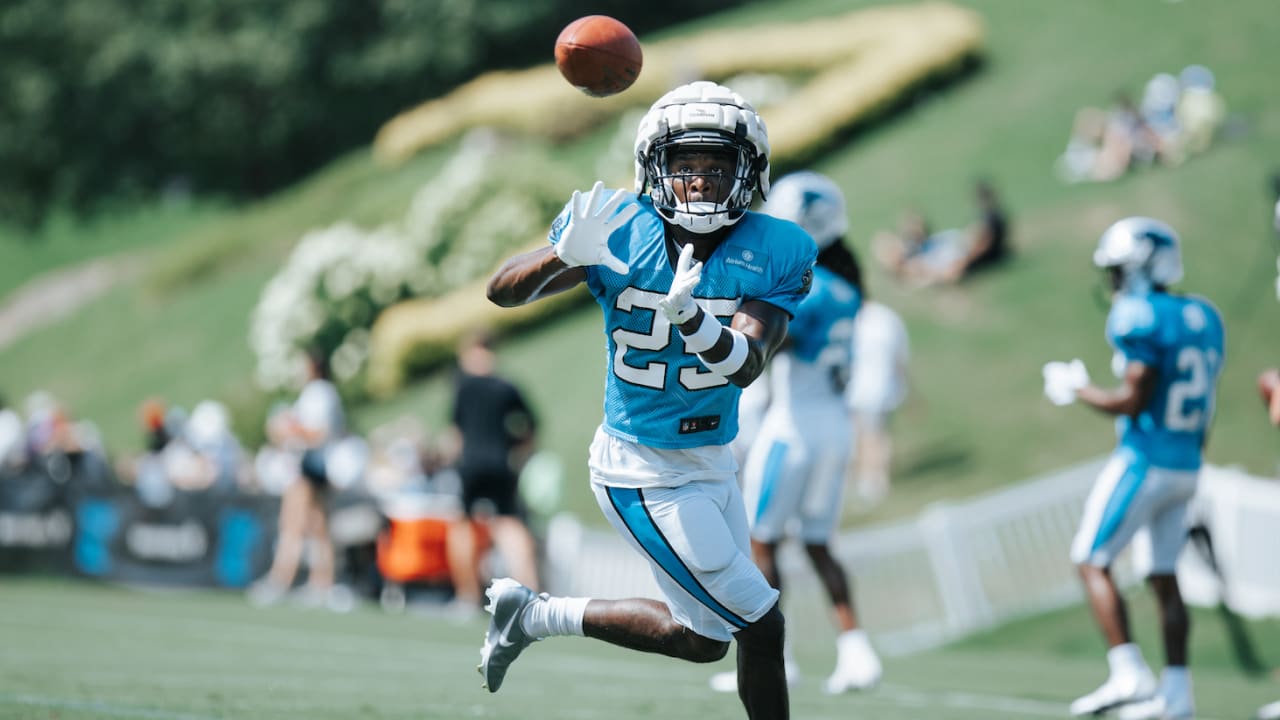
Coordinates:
[976,419]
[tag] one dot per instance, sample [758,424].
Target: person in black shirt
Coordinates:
[495,429]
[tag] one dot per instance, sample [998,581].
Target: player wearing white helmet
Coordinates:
[794,473]
[697,293]
[1169,352]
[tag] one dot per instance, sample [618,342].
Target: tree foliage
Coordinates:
[133,98]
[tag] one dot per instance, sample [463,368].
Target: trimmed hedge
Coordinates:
[861,60]
[860,63]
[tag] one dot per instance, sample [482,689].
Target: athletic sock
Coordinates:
[554,616]
[1175,680]
[852,644]
[1126,659]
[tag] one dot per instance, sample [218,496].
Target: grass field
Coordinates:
[73,650]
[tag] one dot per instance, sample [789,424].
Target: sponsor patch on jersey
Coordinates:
[744,259]
[699,424]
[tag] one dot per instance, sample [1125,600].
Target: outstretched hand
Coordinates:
[679,306]
[586,240]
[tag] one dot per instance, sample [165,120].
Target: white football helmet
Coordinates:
[702,114]
[813,202]
[1143,250]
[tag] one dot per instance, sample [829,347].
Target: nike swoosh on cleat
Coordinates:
[502,637]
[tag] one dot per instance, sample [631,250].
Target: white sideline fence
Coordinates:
[964,566]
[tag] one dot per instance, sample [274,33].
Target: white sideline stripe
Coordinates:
[100,708]
[906,696]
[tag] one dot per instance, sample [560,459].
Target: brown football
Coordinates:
[1268,381]
[598,55]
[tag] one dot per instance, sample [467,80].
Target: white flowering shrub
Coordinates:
[488,199]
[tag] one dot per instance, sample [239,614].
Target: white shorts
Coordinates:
[794,474]
[1133,501]
[695,537]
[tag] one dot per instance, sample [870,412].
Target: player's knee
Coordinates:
[706,650]
[765,634]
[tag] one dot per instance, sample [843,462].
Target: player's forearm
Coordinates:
[1121,401]
[735,353]
[525,278]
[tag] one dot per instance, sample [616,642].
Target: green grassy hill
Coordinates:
[977,418]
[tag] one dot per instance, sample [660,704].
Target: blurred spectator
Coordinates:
[1270,378]
[309,428]
[1127,140]
[151,416]
[1177,117]
[217,455]
[1080,161]
[12,440]
[881,353]
[66,449]
[150,479]
[396,461]
[495,430]
[1201,110]
[919,258]
[1160,114]
[190,454]
[1105,144]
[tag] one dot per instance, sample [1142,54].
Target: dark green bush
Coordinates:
[136,98]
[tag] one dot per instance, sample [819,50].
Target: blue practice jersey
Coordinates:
[1181,337]
[817,364]
[656,394]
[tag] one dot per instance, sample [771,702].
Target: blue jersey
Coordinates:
[1182,337]
[656,394]
[819,357]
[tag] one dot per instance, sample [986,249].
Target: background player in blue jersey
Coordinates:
[1169,353]
[669,265]
[793,477]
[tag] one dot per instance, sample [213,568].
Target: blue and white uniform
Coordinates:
[795,469]
[661,466]
[1142,493]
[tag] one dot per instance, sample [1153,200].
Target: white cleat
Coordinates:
[1270,711]
[1116,691]
[849,676]
[505,639]
[1160,708]
[857,665]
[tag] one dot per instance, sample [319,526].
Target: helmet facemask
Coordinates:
[727,196]
[707,116]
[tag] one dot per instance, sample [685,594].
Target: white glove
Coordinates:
[679,305]
[1062,381]
[586,240]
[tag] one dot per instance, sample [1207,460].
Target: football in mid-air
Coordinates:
[1268,383]
[598,55]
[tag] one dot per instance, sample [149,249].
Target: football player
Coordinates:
[697,292]
[794,474]
[1169,353]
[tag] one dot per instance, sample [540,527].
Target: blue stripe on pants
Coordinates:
[629,504]
[1118,504]
[771,477]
